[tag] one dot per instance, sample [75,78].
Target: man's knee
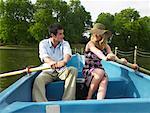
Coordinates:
[73,70]
[38,80]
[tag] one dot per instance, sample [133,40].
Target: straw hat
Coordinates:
[99,28]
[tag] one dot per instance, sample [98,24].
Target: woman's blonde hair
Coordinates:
[102,43]
[99,30]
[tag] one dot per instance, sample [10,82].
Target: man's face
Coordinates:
[60,35]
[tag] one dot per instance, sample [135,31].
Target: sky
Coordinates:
[95,7]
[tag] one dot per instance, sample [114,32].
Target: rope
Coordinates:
[129,53]
[141,55]
[141,52]
[125,52]
[126,55]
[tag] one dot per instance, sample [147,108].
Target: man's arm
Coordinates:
[66,54]
[45,58]
[63,62]
[49,61]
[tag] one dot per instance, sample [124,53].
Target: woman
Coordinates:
[96,50]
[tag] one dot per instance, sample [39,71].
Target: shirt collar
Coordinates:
[50,43]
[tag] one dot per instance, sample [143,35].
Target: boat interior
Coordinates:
[124,83]
[121,82]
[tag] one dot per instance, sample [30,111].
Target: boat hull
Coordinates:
[127,92]
[82,106]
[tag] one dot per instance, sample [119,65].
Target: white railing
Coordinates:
[133,53]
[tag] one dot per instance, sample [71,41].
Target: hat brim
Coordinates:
[105,33]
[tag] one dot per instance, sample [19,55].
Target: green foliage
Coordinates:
[73,17]
[15,19]
[22,22]
[123,24]
[42,19]
[107,19]
[128,29]
[77,20]
[144,33]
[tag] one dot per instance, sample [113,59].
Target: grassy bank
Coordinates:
[19,47]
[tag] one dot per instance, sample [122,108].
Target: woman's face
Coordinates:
[98,37]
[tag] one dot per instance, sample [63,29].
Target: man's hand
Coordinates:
[58,64]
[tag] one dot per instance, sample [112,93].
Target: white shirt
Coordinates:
[47,50]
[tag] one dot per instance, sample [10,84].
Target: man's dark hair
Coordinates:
[54,28]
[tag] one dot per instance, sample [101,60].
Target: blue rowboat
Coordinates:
[128,92]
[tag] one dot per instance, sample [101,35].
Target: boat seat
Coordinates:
[77,61]
[116,88]
[53,88]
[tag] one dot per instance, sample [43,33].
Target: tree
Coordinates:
[144,33]
[22,22]
[77,20]
[15,19]
[107,19]
[123,23]
[73,17]
[42,18]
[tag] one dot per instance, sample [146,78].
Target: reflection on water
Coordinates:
[16,59]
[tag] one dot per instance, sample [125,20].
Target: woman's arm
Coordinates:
[108,49]
[110,54]
[96,51]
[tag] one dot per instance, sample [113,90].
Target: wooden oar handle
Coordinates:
[144,70]
[12,73]
[27,70]
[133,66]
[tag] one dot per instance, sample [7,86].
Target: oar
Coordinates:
[27,70]
[133,66]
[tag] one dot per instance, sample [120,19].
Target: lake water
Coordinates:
[12,59]
[16,59]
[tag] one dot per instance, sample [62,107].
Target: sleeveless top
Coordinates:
[91,61]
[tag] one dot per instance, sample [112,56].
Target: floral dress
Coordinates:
[91,62]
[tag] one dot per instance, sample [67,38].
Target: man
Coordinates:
[55,52]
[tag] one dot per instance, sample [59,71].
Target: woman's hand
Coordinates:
[111,57]
[135,66]
[124,60]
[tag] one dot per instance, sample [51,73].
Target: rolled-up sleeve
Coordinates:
[42,51]
[67,48]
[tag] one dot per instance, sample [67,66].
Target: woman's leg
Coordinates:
[102,88]
[97,74]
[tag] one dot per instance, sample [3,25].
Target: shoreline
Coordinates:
[17,47]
